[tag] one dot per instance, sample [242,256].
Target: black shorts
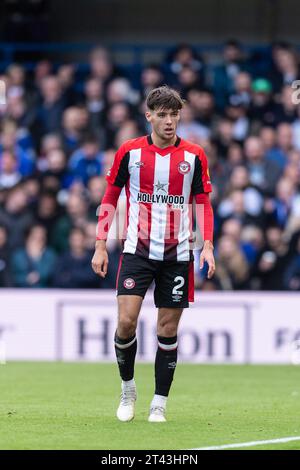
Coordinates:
[174,280]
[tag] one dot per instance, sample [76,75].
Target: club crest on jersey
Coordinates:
[184,167]
[129,283]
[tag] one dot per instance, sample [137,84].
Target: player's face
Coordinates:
[164,122]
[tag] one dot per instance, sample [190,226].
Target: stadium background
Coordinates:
[76,75]
[75,91]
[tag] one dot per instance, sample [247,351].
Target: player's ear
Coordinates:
[148,115]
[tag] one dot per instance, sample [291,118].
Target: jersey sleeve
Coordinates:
[119,173]
[201,180]
[205,216]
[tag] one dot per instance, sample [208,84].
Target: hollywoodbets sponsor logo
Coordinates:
[160,198]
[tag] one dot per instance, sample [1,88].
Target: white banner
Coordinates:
[71,325]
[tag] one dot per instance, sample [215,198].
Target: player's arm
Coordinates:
[105,218]
[116,178]
[201,187]
[205,221]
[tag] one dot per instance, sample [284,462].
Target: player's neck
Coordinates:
[162,143]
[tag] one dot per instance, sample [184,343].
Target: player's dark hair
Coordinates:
[164,97]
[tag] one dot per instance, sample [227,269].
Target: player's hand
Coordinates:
[208,256]
[100,262]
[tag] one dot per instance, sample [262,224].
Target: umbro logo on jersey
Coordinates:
[137,165]
[184,167]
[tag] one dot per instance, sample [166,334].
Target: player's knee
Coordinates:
[167,329]
[126,326]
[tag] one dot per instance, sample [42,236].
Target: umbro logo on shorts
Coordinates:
[129,283]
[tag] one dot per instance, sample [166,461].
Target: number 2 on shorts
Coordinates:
[175,290]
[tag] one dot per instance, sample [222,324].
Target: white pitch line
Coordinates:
[250,444]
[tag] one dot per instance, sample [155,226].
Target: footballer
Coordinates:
[162,175]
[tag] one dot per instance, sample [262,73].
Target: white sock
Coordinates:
[159,400]
[128,384]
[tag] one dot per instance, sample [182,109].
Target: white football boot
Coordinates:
[126,408]
[157,414]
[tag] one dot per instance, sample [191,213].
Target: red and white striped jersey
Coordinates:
[159,185]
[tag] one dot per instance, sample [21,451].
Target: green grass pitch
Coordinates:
[73,405]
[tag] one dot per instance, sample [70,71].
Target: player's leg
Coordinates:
[125,346]
[134,278]
[125,337]
[173,286]
[165,360]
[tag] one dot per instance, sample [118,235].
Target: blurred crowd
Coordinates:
[61,126]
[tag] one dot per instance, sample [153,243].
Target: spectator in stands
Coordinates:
[17,79]
[95,104]
[117,115]
[237,112]
[242,89]
[16,216]
[267,135]
[101,64]
[8,142]
[74,125]
[187,79]
[292,272]
[252,242]
[46,214]
[31,188]
[235,157]
[4,259]
[232,270]
[262,110]
[32,266]
[284,144]
[188,128]
[203,105]
[66,78]
[286,66]
[73,269]
[151,77]
[237,206]
[120,90]
[285,204]
[263,173]
[286,109]
[184,56]
[224,74]
[9,174]
[128,130]
[52,105]
[292,173]
[56,168]
[272,261]
[87,160]
[224,136]
[43,69]
[253,201]
[75,215]
[96,189]
[24,118]
[49,142]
